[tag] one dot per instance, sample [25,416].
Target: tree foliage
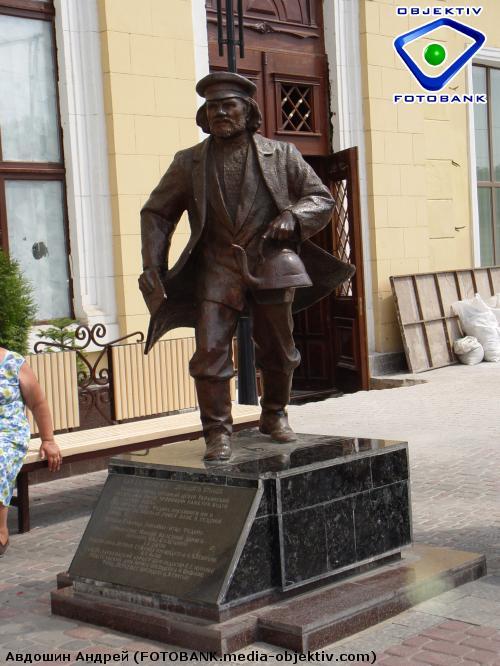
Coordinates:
[60,331]
[17,306]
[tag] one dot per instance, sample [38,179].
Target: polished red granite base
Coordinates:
[306,621]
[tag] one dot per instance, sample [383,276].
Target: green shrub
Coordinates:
[17,306]
[62,331]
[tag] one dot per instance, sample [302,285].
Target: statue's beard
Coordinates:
[227,129]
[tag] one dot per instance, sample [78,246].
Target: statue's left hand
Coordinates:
[152,288]
[148,280]
[283,227]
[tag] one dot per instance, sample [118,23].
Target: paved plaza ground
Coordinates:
[452,424]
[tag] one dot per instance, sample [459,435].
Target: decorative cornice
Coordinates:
[267,28]
[278,27]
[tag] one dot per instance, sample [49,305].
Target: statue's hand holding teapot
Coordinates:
[283,227]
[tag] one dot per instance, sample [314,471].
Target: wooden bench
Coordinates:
[140,390]
[121,438]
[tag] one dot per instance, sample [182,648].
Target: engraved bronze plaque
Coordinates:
[174,538]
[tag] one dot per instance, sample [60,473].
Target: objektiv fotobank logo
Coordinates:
[434,55]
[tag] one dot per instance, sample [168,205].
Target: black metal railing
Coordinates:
[95,379]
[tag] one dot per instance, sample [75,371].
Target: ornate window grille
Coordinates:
[341,230]
[296,108]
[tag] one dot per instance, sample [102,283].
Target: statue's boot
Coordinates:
[275,397]
[214,398]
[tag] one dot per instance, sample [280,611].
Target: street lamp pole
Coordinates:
[247,386]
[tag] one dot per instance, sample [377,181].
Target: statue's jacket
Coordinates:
[293,186]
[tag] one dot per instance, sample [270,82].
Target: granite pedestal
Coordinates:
[194,554]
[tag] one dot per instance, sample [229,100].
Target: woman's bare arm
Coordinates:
[35,400]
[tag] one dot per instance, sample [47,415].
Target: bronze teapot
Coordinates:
[280,268]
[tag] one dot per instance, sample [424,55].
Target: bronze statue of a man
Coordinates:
[237,187]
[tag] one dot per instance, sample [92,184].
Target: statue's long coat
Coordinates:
[293,186]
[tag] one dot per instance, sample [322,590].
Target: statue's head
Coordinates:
[229,108]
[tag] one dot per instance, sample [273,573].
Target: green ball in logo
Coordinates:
[435,54]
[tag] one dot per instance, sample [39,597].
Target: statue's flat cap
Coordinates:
[220,85]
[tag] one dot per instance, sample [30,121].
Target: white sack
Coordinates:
[468,350]
[478,320]
[493,302]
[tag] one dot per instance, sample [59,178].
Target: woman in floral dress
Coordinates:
[19,386]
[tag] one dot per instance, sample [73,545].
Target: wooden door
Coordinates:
[331,335]
[313,334]
[285,57]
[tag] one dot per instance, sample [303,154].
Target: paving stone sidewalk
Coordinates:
[452,424]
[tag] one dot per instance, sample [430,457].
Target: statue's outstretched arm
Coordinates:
[160,215]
